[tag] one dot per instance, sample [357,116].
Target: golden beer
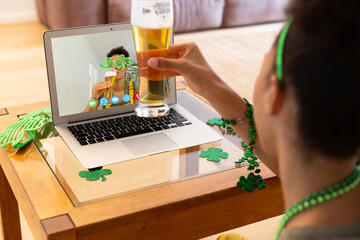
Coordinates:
[151,43]
[151,22]
[110,76]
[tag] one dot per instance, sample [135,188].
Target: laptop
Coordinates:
[110,133]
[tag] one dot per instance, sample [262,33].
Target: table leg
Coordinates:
[9,210]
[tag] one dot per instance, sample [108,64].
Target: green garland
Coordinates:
[254,179]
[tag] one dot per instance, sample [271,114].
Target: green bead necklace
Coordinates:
[254,179]
[316,198]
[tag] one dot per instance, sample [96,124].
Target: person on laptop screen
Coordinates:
[117,94]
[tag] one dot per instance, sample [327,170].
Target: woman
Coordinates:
[119,88]
[306,114]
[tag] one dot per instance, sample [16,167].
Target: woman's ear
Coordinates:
[274,96]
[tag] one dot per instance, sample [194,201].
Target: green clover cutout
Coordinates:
[106,64]
[215,121]
[251,182]
[29,123]
[214,154]
[122,61]
[95,175]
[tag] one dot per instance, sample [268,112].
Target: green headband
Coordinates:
[121,62]
[280,53]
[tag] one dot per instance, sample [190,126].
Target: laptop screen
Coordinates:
[95,72]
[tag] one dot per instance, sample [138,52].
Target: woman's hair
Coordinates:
[322,66]
[118,51]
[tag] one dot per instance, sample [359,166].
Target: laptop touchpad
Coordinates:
[150,144]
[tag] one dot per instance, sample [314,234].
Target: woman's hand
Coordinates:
[99,89]
[186,60]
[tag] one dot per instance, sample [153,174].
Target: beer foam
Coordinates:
[152,14]
[110,74]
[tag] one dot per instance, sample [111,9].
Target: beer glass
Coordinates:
[110,76]
[151,22]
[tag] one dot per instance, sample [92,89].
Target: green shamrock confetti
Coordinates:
[222,123]
[214,154]
[253,180]
[215,121]
[120,62]
[95,175]
[250,183]
[29,123]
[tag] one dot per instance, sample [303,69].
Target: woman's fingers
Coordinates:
[174,65]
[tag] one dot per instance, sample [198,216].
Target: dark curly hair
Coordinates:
[118,51]
[321,66]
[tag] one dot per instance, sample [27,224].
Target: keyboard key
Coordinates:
[157,128]
[81,139]
[92,141]
[180,124]
[108,138]
[174,126]
[134,133]
[100,140]
[81,135]
[165,127]
[83,143]
[179,120]
[188,123]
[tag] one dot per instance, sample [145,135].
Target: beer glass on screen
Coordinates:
[151,22]
[110,76]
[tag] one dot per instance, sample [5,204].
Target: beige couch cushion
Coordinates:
[119,11]
[242,12]
[70,13]
[189,15]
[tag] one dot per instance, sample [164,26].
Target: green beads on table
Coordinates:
[252,181]
[323,195]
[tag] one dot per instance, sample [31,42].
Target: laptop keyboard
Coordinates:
[120,127]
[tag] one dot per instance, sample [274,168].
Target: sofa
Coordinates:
[189,15]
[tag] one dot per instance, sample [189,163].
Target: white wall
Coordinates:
[71,61]
[17,11]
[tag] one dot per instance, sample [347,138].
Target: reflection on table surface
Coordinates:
[141,173]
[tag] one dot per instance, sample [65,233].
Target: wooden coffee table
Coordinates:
[173,195]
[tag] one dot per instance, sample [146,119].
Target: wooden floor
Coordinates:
[235,54]
[22,64]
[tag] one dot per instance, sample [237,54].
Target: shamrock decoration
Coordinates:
[251,182]
[95,175]
[214,154]
[120,62]
[31,122]
[106,64]
[222,123]
[215,121]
